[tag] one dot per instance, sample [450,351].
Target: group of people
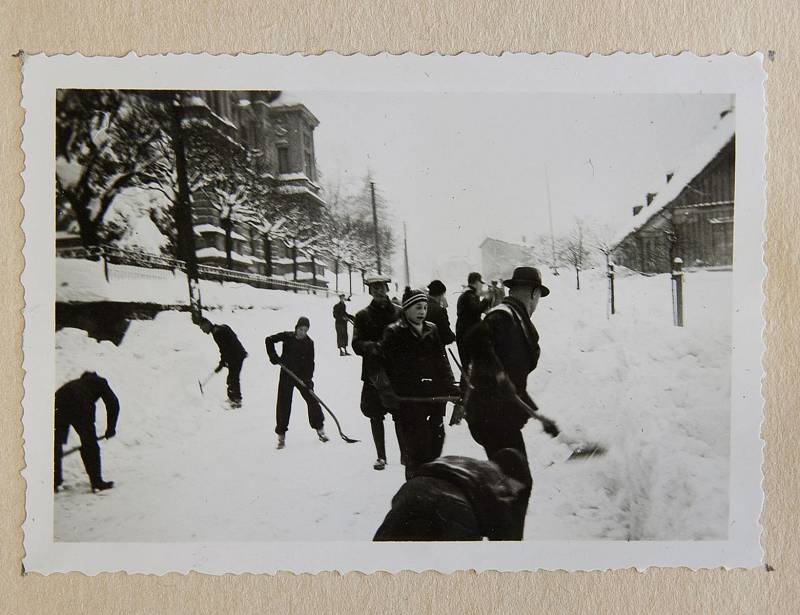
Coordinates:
[406,374]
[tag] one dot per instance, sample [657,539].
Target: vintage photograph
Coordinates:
[312,315]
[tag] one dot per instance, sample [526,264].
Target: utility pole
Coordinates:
[550,215]
[375,223]
[405,248]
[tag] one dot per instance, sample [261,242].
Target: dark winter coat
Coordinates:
[340,313]
[231,350]
[454,498]
[367,331]
[469,309]
[297,355]
[416,363]
[506,344]
[438,316]
[75,401]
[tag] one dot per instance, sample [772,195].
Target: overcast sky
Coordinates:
[459,167]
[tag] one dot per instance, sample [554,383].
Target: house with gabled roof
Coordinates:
[691,215]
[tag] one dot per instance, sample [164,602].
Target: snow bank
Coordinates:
[655,395]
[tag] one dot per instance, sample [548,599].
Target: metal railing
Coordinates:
[119,263]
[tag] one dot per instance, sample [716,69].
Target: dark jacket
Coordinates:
[438,316]
[230,348]
[416,364]
[367,331]
[75,400]
[468,310]
[340,313]
[297,355]
[505,343]
[454,498]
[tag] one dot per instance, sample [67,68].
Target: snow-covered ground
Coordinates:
[188,469]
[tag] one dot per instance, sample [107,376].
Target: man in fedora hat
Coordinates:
[367,331]
[503,350]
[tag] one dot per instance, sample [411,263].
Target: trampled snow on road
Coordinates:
[189,469]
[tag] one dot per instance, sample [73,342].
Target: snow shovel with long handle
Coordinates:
[75,449]
[294,377]
[205,381]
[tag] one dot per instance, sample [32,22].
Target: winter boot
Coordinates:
[281,441]
[102,485]
[322,436]
[379,464]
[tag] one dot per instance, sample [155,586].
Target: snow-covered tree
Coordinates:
[574,249]
[105,141]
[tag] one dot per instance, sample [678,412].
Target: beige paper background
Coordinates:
[114,28]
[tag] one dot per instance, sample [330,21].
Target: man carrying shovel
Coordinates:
[297,357]
[231,355]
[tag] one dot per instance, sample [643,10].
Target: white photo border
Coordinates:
[561,72]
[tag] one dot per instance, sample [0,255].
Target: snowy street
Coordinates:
[186,468]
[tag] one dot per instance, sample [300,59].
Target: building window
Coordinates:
[310,166]
[283,159]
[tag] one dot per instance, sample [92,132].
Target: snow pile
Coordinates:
[189,469]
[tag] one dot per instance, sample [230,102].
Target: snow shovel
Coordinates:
[548,425]
[75,449]
[294,377]
[205,381]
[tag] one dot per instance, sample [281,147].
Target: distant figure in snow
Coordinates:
[341,318]
[496,293]
[231,355]
[367,331]
[458,498]
[298,356]
[75,407]
[469,309]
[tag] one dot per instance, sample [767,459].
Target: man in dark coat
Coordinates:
[367,331]
[341,318]
[504,350]
[75,407]
[413,357]
[297,356]
[458,498]
[469,309]
[437,314]
[231,355]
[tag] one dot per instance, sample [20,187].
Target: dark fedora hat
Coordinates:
[527,276]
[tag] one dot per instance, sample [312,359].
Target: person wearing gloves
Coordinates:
[75,407]
[413,358]
[231,355]
[298,356]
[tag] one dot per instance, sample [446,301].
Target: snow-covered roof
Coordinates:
[690,168]
[286,99]
[215,253]
[210,228]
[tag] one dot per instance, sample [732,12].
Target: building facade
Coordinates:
[691,217]
[278,131]
[499,258]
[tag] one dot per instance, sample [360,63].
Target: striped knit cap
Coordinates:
[412,296]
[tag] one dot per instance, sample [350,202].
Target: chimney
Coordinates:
[650,197]
[637,209]
[670,176]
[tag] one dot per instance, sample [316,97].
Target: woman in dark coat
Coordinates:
[341,318]
[297,356]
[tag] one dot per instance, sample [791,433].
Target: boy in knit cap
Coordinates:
[413,357]
[298,356]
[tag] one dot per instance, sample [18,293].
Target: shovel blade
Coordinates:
[587,451]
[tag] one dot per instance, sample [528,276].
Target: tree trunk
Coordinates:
[578,277]
[268,253]
[227,226]
[294,263]
[336,273]
[87,228]
[313,269]
[183,211]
